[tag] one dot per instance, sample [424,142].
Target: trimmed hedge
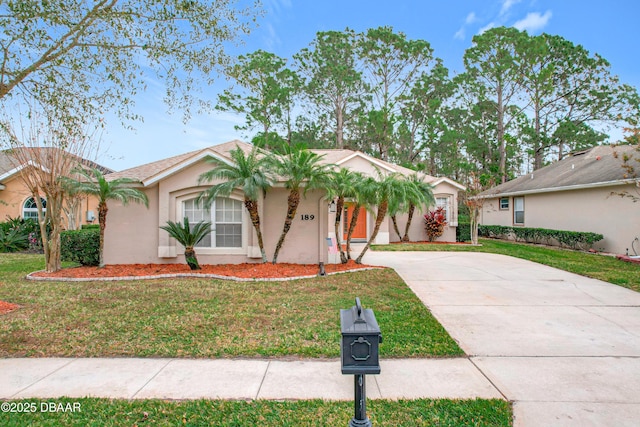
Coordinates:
[463,232]
[571,239]
[81,246]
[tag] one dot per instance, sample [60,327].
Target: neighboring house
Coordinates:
[578,193]
[16,201]
[133,234]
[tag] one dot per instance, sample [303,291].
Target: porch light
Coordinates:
[332,206]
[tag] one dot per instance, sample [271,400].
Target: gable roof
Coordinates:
[150,173]
[10,164]
[339,157]
[599,166]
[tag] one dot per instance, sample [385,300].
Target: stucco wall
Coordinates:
[153,245]
[15,194]
[416,231]
[592,210]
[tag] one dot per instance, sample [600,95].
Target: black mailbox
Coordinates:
[360,339]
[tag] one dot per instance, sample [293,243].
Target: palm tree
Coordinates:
[251,174]
[387,194]
[342,184]
[424,197]
[302,171]
[188,237]
[93,183]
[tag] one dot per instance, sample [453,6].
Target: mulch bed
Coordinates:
[6,307]
[245,271]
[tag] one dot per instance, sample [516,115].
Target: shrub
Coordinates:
[434,223]
[90,226]
[570,239]
[81,246]
[13,240]
[17,234]
[463,232]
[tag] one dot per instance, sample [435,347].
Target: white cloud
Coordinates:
[461,33]
[471,18]
[487,27]
[506,5]
[271,39]
[533,21]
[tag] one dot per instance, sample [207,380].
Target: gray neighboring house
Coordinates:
[578,193]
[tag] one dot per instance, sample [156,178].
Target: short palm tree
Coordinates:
[302,170]
[387,194]
[188,237]
[423,196]
[342,184]
[248,172]
[92,182]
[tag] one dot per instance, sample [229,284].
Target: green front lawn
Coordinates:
[205,318]
[597,266]
[402,413]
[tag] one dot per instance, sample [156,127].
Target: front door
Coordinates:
[360,232]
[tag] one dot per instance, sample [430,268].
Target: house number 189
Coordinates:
[307,217]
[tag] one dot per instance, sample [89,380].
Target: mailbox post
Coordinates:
[359,354]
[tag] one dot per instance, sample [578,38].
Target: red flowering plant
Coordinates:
[434,223]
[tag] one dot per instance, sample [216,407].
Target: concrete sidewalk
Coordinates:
[564,348]
[128,378]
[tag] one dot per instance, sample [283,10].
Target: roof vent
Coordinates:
[573,166]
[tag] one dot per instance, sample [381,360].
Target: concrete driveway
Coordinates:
[564,348]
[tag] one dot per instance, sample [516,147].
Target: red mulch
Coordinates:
[627,258]
[6,307]
[246,270]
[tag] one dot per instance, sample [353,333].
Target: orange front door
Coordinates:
[360,232]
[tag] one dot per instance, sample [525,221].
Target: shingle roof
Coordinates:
[9,161]
[150,172]
[600,165]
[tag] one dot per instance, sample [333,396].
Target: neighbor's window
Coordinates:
[504,203]
[443,202]
[518,210]
[30,209]
[225,216]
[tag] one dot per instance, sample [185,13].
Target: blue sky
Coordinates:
[607,28]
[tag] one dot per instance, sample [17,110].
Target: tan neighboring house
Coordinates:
[16,201]
[133,234]
[578,193]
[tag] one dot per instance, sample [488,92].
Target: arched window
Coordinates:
[30,208]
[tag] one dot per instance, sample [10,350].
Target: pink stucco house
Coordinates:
[133,234]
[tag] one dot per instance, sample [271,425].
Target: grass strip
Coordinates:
[400,413]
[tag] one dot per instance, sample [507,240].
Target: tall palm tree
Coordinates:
[424,197]
[188,237]
[302,171]
[93,183]
[342,184]
[248,172]
[387,194]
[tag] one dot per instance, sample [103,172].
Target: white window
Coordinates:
[443,202]
[30,208]
[504,203]
[518,210]
[225,216]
